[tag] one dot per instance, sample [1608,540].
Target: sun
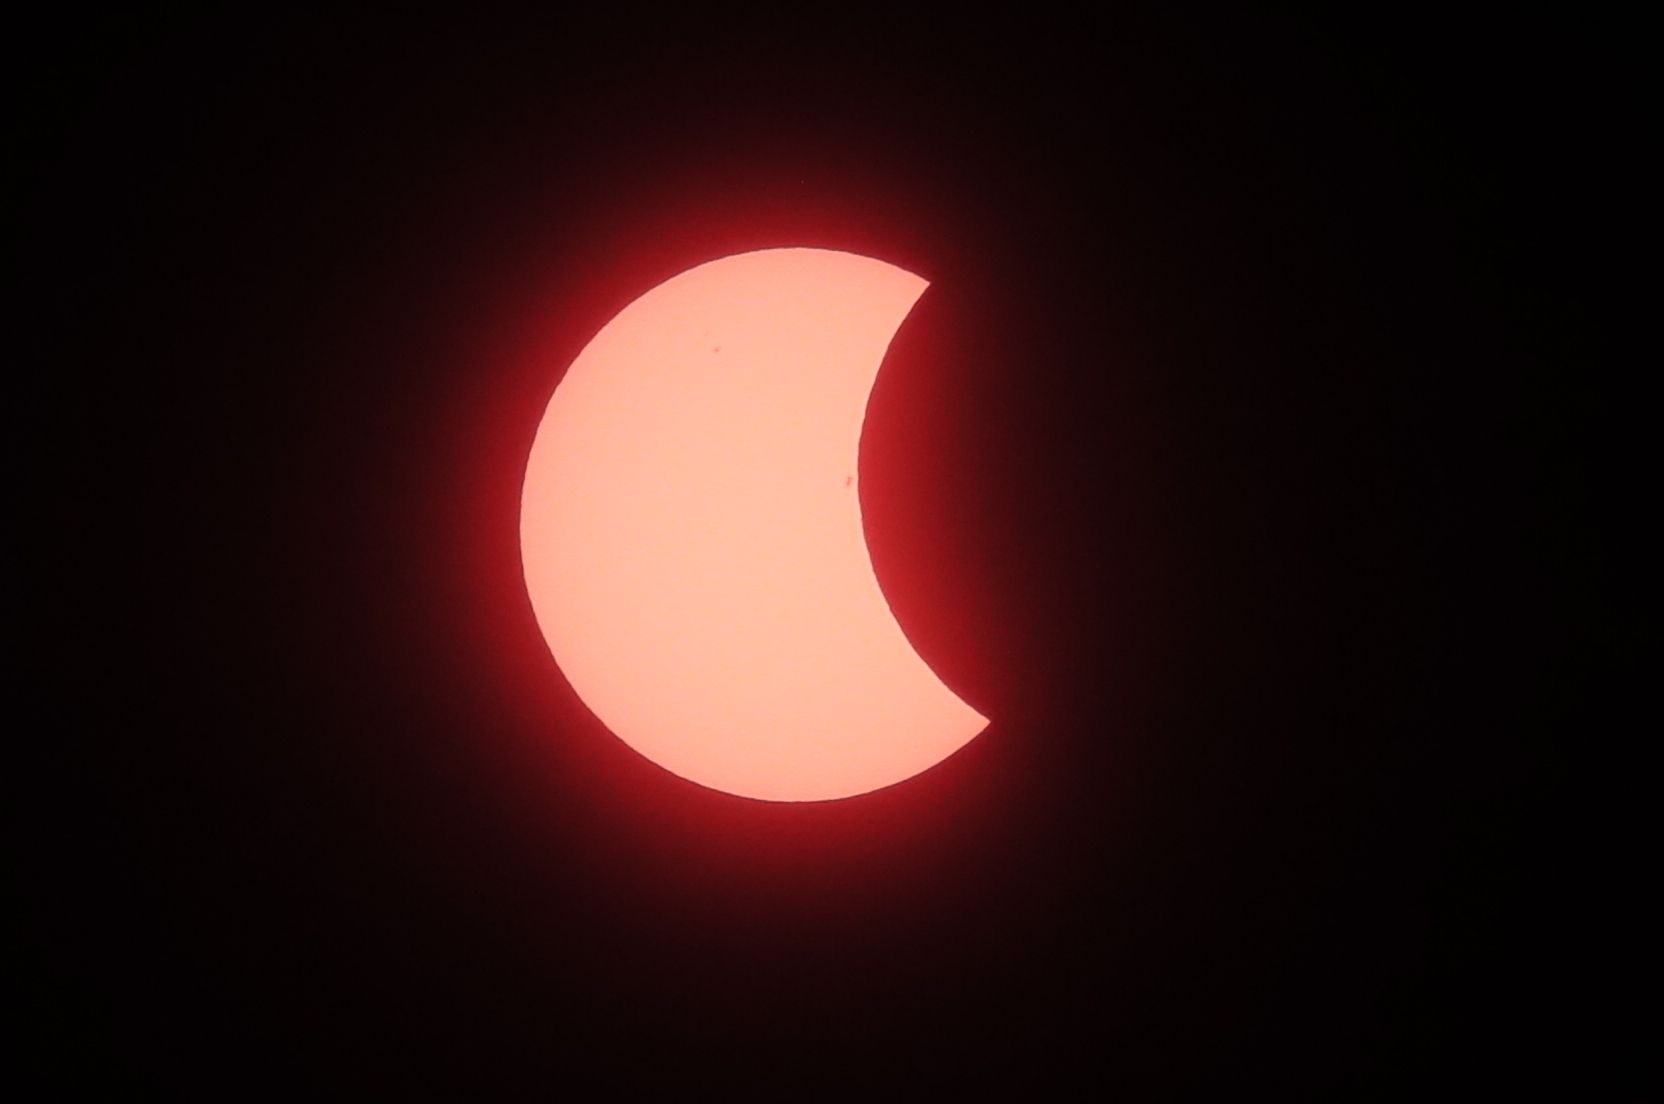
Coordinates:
[692,542]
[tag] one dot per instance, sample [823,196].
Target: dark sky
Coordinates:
[1235,463]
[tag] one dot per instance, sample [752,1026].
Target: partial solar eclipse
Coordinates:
[690,530]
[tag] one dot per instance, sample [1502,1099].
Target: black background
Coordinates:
[1233,464]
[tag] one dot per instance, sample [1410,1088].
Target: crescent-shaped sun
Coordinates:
[692,542]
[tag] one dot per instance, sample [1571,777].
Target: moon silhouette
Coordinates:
[691,534]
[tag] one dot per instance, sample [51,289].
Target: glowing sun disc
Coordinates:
[691,534]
